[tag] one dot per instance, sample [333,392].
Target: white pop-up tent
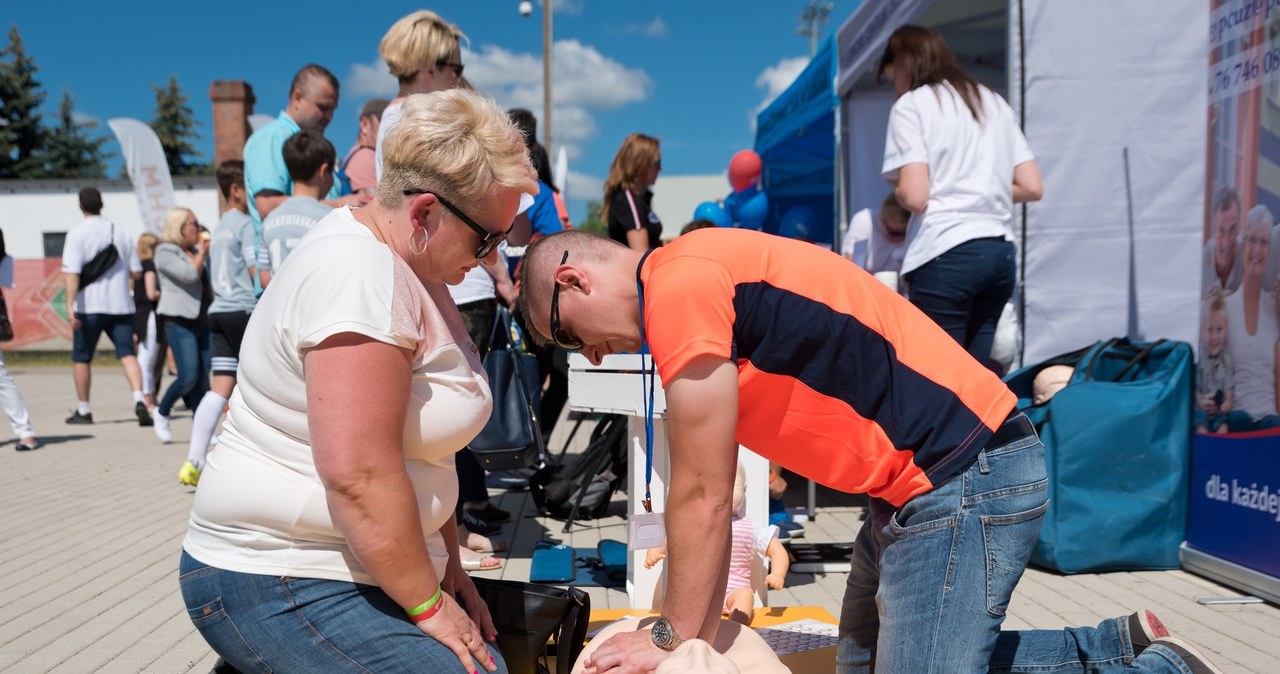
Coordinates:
[1113,101]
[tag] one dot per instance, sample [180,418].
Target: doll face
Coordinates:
[1215,332]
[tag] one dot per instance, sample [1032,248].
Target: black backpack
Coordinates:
[582,489]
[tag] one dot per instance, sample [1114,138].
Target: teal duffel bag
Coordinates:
[1117,445]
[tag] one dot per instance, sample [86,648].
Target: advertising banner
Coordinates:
[1234,510]
[148,170]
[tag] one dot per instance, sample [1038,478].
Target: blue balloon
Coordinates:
[752,209]
[799,222]
[710,210]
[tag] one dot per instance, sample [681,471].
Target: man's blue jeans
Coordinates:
[931,581]
[964,290]
[192,351]
[269,623]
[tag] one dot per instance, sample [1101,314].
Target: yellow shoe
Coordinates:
[189,474]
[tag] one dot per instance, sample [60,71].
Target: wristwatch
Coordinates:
[664,635]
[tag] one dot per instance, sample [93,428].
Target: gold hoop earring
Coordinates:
[418,249]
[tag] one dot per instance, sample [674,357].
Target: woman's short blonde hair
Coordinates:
[417,42]
[457,143]
[173,223]
[147,245]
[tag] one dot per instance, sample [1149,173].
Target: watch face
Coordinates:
[662,633]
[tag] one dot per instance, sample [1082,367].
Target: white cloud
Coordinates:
[775,79]
[655,28]
[566,6]
[370,79]
[584,188]
[584,82]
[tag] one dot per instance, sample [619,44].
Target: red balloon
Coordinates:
[744,168]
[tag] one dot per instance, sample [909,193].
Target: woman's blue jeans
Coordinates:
[964,290]
[931,581]
[192,350]
[281,624]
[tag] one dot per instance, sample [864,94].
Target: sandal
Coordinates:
[474,561]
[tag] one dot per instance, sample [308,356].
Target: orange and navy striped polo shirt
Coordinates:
[839,378]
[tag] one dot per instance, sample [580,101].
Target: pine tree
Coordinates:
[175,125]
[593,222]
[69,151]
[22,137]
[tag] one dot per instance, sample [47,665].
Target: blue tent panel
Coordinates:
[795,138]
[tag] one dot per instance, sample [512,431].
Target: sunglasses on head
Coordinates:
[488,240]
[559,336]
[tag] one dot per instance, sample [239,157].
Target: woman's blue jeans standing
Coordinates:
[270,623]
[964,290]
[192,350]
[931,581]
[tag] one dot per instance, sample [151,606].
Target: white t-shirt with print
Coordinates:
[261,507]
[970,167]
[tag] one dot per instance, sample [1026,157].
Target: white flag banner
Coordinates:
[148,170]
[560,173]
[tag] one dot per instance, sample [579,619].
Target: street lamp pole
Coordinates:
[547,46]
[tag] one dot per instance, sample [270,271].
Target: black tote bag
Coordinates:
[512,438]
[528,616]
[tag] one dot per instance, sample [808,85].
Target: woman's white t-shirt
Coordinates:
[970,167]
[1254,355]
[261,507]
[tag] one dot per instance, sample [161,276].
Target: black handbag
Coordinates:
[528,616]
[511,438]
[100,264]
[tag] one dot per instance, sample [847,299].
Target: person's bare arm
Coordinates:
[779,563]
[267,200]
[702,404]
[1027,184]
[151,285]
[638,239]
[357,396]
[912,188]
[71,282]
[496,265]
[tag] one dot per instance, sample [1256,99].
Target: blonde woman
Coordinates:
[183,305]
[627,199]
[424,52]
[323,531]
[148,333]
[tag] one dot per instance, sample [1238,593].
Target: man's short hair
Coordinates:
[374,108]
[308,74]
[305,152]
[91,201]
[230,173]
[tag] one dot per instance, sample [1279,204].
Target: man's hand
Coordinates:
[627,653]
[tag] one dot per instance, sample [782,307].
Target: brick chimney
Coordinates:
[232,104]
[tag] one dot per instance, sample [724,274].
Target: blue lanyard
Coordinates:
[648,384]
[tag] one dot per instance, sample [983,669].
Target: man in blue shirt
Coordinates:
[313,97]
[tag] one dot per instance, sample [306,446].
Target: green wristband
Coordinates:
[426,605]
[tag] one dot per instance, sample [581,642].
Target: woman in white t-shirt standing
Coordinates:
[958,161]
[323,537]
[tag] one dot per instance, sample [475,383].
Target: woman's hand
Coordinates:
[451,627]
[458,583]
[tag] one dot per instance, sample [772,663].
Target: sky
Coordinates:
[693,73]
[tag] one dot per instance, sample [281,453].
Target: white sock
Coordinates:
[83,408]
[137,397]
[203,423]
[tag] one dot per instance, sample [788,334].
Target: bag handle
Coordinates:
[573,631]
[1141,355]
[501,327]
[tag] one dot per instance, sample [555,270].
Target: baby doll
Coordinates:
[739,600]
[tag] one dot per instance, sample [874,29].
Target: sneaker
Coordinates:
[793,529]
[189,474]
[78,418]
[161,426]
[23,447]
[1194,660]
[144,415]
[476,525]
[1144,628]
[489,513]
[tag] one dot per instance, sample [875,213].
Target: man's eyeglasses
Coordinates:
[560,336]
[457,67]
[488,240]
